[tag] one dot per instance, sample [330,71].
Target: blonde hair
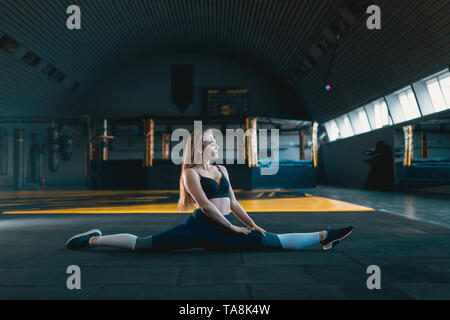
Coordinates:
[185,202]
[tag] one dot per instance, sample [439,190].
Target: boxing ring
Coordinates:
[153,170]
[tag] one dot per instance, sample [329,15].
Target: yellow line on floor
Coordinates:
[307,204]
[303,204]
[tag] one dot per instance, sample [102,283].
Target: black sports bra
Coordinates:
[214,190]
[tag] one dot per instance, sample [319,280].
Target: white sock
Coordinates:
[122,240]
[297,241]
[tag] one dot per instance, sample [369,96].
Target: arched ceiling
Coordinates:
[273,36]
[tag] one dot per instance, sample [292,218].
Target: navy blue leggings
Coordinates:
[200,231]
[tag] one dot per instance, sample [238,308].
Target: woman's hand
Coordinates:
[239,229]
[259,229]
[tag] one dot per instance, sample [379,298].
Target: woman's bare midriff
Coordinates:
[222,204]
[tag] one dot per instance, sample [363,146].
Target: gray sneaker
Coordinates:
[81,241]
[334,236]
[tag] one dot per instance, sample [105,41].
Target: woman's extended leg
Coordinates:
[286,241]
[254,241]
[179,237]
[94,238]
[292,241]
[296,241]
[121,240]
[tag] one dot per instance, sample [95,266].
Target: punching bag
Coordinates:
[18,174]
[36,150]
[65,143]
[53,148]
[3,152]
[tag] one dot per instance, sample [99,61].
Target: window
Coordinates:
[332,130]
[444,81]
[421,98]
[409,104]
[403,105]
[433,93]
[359,121]
[345,127]
[378,114]
[437,98]
[439,90]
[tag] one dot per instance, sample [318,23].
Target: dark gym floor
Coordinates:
[414,258]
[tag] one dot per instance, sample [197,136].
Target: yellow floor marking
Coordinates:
[301,204]
[308,204]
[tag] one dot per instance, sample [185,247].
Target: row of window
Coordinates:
[421,98]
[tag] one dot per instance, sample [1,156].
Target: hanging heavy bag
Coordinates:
[65,143]
[53,148]
[37,148]
[18,172]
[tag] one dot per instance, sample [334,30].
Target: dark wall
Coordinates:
[342,161]
[144,87]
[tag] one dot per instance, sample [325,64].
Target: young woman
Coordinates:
[209,227]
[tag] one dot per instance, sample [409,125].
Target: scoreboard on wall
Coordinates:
[222,102]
